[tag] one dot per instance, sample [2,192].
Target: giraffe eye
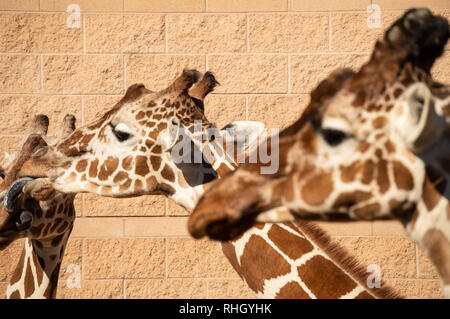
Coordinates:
[120,135]
[333,137]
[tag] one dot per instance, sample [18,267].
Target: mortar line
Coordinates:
[166,31]
[166,272]
[289,73]
[124,62]
[329,31]
[417,260]
[247,32]
[84,33]
[41,62]
[399,10]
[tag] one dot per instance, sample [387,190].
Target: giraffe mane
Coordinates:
[344,259]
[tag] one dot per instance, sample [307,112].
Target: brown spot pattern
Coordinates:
[290,244]
[259,262]
[402,176]
[334,281]
[292,290]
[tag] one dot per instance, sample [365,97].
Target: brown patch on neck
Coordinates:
[403,178]
[430,196]
[382,176]
[230,253]
[334,282]
[292,290]
[343,259]
[270,264]
[292,245]
[29,280]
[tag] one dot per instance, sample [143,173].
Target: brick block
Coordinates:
[175,210]
[19,5]
[72,256]
[152,205]
[246,5]
[224,109]
[407,4]
[307,32]
[328,5]
[157,72]
[388,228]
[196,258]
[250,73]
[156,227]
[165,6]
[20,74]
[229,289]
[144,33]
[85,5]
[350,31]
[9,259]
[395,256]
[417,289]
[360,228]
[33,32]
[308,70]
[276,111]
[123,258]
[167,288]
[426,268]
[8,144]
[20,110]
[92,289]
[80,74]
[95,106]
[440,69]
[206,33]
[98,227]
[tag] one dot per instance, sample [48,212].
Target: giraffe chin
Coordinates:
[18,223]
[224,229]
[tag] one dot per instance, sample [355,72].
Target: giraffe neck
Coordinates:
[36,275]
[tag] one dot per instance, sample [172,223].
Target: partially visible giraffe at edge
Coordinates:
[371,145]
[45,225]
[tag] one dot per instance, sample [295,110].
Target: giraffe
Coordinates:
[371,145]
[93,159]
[46,226]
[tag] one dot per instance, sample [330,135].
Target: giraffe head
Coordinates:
[21,216]
[128,152]
[361,149]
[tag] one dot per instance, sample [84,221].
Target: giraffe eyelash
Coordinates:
[120,135]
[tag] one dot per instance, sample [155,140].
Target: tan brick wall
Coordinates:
[267,54]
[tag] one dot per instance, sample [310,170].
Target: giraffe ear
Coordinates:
[245,133]
[168,138]
[420,126]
